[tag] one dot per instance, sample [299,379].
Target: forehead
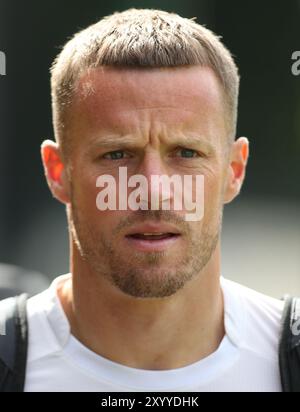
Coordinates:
[124,99]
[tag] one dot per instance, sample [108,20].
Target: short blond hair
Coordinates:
[142,38]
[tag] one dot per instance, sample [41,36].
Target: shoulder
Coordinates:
[259,316]
[257,303]
[48,328]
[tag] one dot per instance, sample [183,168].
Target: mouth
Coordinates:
[152,237]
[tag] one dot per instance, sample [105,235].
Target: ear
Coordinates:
[236,169]
[55,172]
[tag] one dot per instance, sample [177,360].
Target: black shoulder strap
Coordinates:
[13,343]
[289,346]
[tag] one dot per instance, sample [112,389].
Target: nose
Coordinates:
[157,195]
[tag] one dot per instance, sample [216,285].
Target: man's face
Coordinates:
[153,122]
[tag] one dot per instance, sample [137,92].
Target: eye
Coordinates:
[115,155]
[188,153]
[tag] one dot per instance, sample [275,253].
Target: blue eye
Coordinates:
[188,153]
[116,155]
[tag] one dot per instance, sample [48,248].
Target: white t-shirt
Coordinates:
[246,359]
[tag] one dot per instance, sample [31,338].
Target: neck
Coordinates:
[152,334]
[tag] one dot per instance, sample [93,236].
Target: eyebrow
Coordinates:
[113,140]
[120,142]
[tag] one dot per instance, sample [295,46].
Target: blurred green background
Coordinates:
[261,237]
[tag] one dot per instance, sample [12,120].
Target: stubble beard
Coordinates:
[144,275]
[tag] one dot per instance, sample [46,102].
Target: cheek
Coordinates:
[212,196]
[85,194]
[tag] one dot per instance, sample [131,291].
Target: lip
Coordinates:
[153,227]
[152,245]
